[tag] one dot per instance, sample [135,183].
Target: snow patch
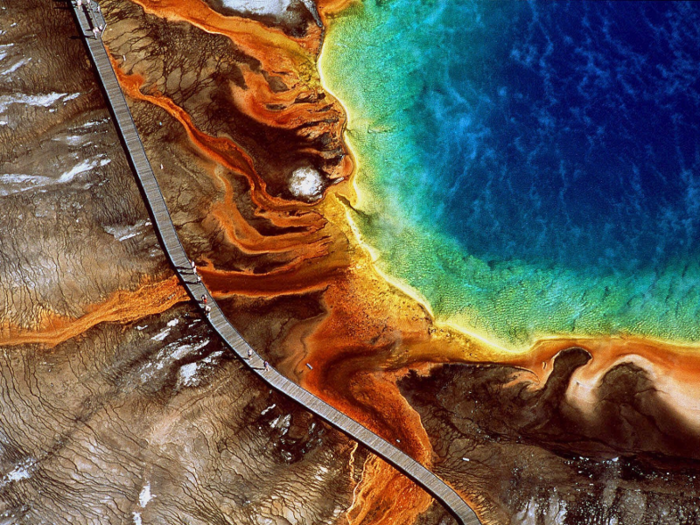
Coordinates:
[183,350]
[18,182]
[171,353]
[528,515]
[161,335]
[188,374]
[47,100]
[145,496]
[3,49]
[92,123]
[137,518]
[276,8]
[268,409]
[16,66]
[306,183]
[282,423]
[173,322]
[82,167]
[20,472]
[73,140]
[122,233]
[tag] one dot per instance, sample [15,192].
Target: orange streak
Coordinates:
[356,353]
[680,361]
[256,99]
[385,497]
[299,279]
[220,149]
[122,306]
[227,218]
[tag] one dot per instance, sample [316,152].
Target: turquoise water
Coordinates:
[529,167]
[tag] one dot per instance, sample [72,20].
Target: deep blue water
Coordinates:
[565,133]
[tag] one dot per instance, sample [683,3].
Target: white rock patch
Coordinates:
[306,183]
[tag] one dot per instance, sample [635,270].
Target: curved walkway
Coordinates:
[178,257]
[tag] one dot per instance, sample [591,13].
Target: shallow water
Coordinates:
[530,168]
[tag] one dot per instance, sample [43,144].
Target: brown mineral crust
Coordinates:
[75,231]
[516,452]
[243,70]
[225,216]
[159,422]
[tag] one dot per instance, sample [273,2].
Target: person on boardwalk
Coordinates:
[266,366]
[250,353]
[204,299]
[194,271]
[207,310]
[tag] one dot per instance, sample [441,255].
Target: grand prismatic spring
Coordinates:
[471,226]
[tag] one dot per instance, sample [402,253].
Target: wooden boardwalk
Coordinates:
[170,241]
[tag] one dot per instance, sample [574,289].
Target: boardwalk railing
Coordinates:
[87,19]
